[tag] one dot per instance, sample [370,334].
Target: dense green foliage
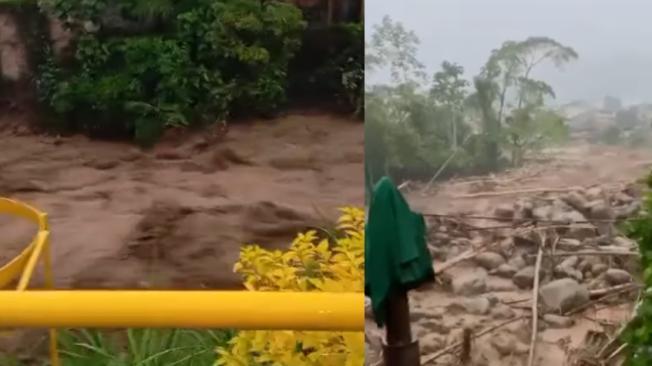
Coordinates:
[639,332]
[415,126]
[176,63]
[139,66]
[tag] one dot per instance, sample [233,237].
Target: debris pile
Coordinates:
[558,258]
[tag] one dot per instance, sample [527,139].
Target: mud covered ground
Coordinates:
[177,216]
[490,294]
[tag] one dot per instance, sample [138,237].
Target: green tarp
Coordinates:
[396,253]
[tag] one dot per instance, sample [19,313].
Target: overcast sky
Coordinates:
[612,37]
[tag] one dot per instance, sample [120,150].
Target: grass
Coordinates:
[136,347]
[141,347]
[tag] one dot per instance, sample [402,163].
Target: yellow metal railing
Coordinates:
[157,309]
[22,267]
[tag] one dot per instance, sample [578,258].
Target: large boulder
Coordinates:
[563,294]
[471,283]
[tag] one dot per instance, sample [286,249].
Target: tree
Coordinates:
[395,47]
[512,64]
[486,92]
[449,91]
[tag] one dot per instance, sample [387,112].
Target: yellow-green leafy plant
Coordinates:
[333,264]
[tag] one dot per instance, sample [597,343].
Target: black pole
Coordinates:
[400,349]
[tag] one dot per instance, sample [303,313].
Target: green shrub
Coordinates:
[206,60]
[639,332]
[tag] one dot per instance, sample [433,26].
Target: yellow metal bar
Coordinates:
[13,269]
[183,309]
[41,239]
[23,210]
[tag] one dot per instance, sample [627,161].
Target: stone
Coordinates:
[517,262]
[567,269]
[542,213]
[489,260]
[615,276]
[600,210]
[576,200]
[505,271]
[623,198]
[563,294]
[568,217]
[441,238]
[506,247]
[507,344]
[558,321]
[523,210]
[524,278]
[502,311]
[601,240]
[504,212]
[624,242]
[569,245]
[581,231]
[628,210]
[432,342]
[598,269]
[477,305]
[471,283]
[594,193]
[570,262]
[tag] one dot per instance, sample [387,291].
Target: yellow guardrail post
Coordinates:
[22,267]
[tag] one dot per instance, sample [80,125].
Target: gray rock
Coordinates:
[576,200]
[581,231]
[570,262]
[505,271]
[594,193]
[432,342]
[569,245]
[558,321]
[563,295]
[602,240]
[502,311]
[517,262]
[477,305]
[507,344]
[624,242]
[506,248]
[598,269]
[601,210]
[504,211]
[623,198]
[524,278]
[542,213]
[617,276]
[471,283]
[523,210]
[489,260]
[628,210]
[567,269]
[441,238]
[569,217]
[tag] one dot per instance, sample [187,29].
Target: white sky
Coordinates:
[612,37]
